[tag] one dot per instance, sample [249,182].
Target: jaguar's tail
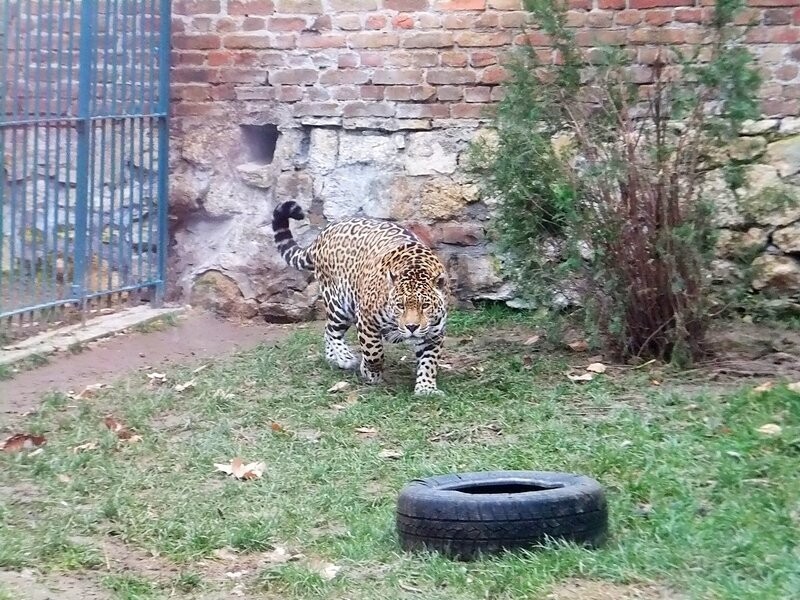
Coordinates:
[293,254]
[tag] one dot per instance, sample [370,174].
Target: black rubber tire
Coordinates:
[436,513]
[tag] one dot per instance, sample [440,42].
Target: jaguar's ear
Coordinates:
[390,279]
[441,282]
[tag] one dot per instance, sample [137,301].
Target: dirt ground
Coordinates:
[197,335]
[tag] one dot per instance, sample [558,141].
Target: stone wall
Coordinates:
[367,107]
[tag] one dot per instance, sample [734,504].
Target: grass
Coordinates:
[700,500]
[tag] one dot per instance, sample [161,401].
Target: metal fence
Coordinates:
[84,140]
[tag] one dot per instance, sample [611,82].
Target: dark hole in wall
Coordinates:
[260,142]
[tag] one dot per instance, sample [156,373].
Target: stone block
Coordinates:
[777,274]
[784,155]
[430,153]
[788,238]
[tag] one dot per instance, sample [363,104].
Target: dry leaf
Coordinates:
[88,391]
[185,386]
[581,377]
[199,369]
[325,570]
[770,429]
[794,387]
[309,435]
[236,574]
[279,555]
[578,346]
[23,441]
[85,447]
[531,340]
[338,387]
[277,427]
[366,432]
[391,454]
[64,478]
[597,368]
[157,378]
[36,452]
[764,387]
[655,382]
[239,470]
[122,432]
[226,554]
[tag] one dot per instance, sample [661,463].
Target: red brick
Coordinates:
[600,38]
[353,6]
[611,4]
[422,111]
[505,4]
[406,5]
[376,22]
[400,93]
[342,77]
[482,58]
[347,92]
[219,58]
[458,21]
[777,16]
[657,18]
[472,39]
[487,21]
[254,24]
[317,109]
[191,93]
[193,109]
[347,22]
[599,18]
[233,75]
[371,59]
[422,59]
[513,20]
[428,21]
[192,75]
[302,7]
[201,24]
[627,18]
[255,93]
[248,41]
[286,24]
[250,7]
[579,4]
[454,58]
[428,40]
[534,38]
[449,93]
[313,40]
[261,59]
[288,93]
[227,25]
[576,18]
[498,93]
[321,23]
[373,40]
[368,109]
[226,91]
[206,41]
[403,21]
[397,77]
[350,60]
[293,77]
[460,4]
[371,92]
[658,3]
[450,76]
[470,111]
[493,75]
[787,72]
[689,15]
[769,3]
[784,35]
[194,59]
[478,93]
[196,7]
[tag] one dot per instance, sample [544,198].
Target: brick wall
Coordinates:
[367,107]
[411,59]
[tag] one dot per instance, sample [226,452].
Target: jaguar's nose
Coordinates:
[412,328]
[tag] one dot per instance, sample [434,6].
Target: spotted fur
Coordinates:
[381,278]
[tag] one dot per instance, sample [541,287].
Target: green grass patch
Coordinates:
[699,499]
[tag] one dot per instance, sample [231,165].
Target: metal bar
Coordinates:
[151,133]
[88,14]
[4,95]
[126,241]
[123,160]
[69,193]
[163,144]
[111,117]
[49,263]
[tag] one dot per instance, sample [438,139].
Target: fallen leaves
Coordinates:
[339,386]
[578,346]
[764,387]
[185,386]
[88,392]
[23,441]
[770,429]
[238,469]
[581,377]
[794,387]
[157,378]
[531,340]
[85,447]
[391,454]
[597,367]
[366,432]
[122,432]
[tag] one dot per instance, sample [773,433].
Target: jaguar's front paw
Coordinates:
[422,389]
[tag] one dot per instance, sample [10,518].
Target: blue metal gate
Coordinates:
[84,141]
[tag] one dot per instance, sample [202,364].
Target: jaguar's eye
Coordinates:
[400,306]
[426,305]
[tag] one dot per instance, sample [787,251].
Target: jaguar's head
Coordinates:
[418,297]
